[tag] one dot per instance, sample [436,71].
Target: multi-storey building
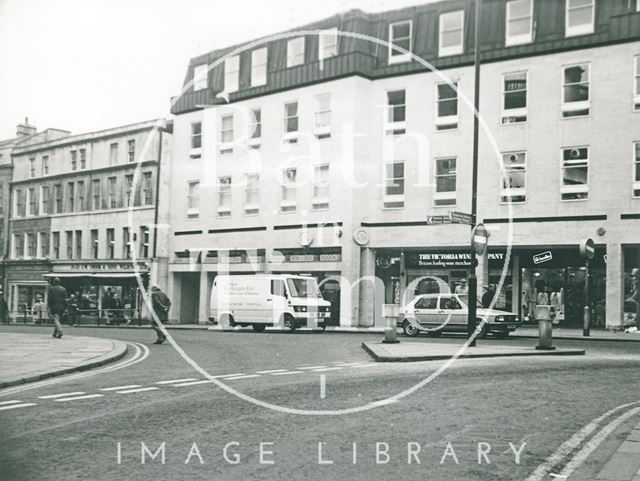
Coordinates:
[84,209]
[332,150]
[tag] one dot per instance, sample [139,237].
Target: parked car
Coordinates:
[438,313]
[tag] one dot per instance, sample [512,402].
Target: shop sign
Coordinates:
[330,257]
[542,257]
[448,259]
[255,259]
[301,258]
[123,266]
[226,260]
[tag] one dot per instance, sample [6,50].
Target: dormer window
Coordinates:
[519,25]
[579,17]
[231,74]
[259,67]
[400,38]
[200,73]
[328,43]
[451,33]
[295,52]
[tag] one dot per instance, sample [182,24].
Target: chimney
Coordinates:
[23,130]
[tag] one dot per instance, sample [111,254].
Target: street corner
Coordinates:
[28,358]
[425,351]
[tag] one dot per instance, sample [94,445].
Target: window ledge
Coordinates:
[400,58]
[322,132]
[449,122]
[254,142]
[518,40]
[448,51]
[291,137]
[195,153]
[579,30]
[394,128]
[320,200]
[574,189]
[444,195]
[573,106]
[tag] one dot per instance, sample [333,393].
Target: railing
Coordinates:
[25,314]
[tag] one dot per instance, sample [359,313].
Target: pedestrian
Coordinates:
[487,297]
[56,302]
[72,303]
[160,304]
[116,306]
[107,304]
[462,291]
[127,313]
[4,310]
[37,310]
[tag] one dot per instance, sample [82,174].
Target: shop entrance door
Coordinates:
[190,297]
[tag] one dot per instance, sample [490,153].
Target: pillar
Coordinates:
[206,282]
[614,293]
[174,293]
[516,295]
[482,273]
[366,288]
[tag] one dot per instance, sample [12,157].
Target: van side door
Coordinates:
[276,302]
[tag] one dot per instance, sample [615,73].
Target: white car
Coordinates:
[438,313]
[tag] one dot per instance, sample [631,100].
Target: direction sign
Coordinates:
[461,218]
[438,219]
[587,248]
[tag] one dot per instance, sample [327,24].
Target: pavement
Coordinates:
[624,464]
[26,358]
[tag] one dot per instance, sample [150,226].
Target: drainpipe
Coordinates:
[156,213]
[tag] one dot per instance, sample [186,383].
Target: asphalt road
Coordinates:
[94,427]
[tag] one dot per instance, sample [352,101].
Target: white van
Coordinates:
[262,300]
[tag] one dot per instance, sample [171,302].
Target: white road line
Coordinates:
[78,398]
[371,364]
[311,367]
[323,386]
[271,371]
[186,379]
[130,386]
[328,369]
[142,389]
[222,376]
[286,373]
[4,403]
[192,383]
[15,406]
[55,396]
[242,377]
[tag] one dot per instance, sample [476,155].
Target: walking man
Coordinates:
[56,302]
[161,305]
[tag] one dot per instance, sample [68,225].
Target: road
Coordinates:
[93,427]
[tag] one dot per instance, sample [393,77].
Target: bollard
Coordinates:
[545,327]
[390,331]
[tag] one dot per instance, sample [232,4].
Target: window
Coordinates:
[451,33]
[83,158]
[74,160]
[33,201]
[393,185]
[259,67]
[224,196]
[112,200]
[95,193]
[295,52]
[196,139]
[126,243]
[144,241]
[514,98]
[278,288]
[113,153]
[57,192]
[200,74]
[111,244]
[255,128]
[519,22]
[449,303]
[131,150]
[320,200]
[328,43]
[71,196]
[226,134]
[128,189]
[69,239]
[18,245]
[445,193]
[231,74]
[78,239]
[291,121]
[427,303]
[252,194]
[396,112]
[43,239]
[44,200]
[575,98]
[447,112]
[575,174]
[513,178]
[55,244]
[81,195]
[636,81]
[95,244]
[193,198]
[18,206]
[147,187]
[289,191]
[31,245]
[400,37]
[45,165]
[636,169]
[32,167]
[579,17]
[323,116]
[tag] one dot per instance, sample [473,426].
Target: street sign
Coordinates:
[438,219]
[461,218]
[587,248]
[479,239]
[542,257]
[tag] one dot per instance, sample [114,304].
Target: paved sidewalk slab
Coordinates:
[425,351]
[31,357]
[624,464]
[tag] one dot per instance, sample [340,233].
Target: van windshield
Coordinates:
[303,288]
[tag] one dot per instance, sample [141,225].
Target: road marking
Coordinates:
[371,364]
[4,403]
[192,383]
[323,386]
[186,379]
[15,406]
[329,369]
[130,386]
[286,373]
[311,367]
[77,398]
[271,371]
[55,396]
[142,389]
[242,377]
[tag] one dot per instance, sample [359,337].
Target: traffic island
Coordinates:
[425,351]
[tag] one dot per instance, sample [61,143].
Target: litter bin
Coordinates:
[542,315]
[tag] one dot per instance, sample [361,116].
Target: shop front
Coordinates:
[27,289]
[631,307]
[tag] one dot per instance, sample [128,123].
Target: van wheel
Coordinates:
[258,327]
[289,323]
[409,329]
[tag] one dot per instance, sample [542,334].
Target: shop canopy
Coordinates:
[99,275]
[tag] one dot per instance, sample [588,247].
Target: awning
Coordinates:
[101,275]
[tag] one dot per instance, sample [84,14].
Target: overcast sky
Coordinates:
[84,65]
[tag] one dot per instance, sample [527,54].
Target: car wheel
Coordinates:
[289,323]
[409,329]
[259,327]
[501,334]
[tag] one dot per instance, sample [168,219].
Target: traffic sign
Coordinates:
[587,248]
[461,218]
[438,219]
[479,239]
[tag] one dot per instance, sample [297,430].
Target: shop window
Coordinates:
[579,17]
[636,81]
[111,244]
[327,43]
[447,111]
[95,244]
[224,196]
[575,174]
[513,177]
[400,38]
[322,128]
[519,25]
[289,191]
[320,199]
[193,199]
[396,112]
[45,165]
[196,140]
[514,98]
[69,242]
[55,245]
[295,52]
[200,74]
[446,174]
[231,74]
[291,122]
[636,169]
[113,153]
[226,134]
[393,185]
[451,33]
[259,67]
[575,93]
[252,194]
[95,193]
